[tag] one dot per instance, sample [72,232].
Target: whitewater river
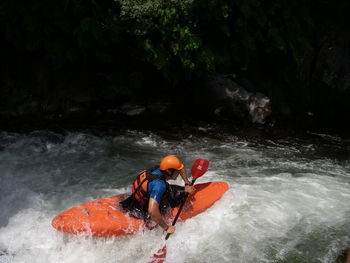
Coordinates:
[289,198]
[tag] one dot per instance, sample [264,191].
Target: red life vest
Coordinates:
[139,186]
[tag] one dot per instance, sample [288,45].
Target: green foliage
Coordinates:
[166,32]
[210,35]
[193,35]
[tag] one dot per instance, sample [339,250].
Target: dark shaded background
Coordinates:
[84,59]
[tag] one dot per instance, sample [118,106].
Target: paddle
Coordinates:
[199,167]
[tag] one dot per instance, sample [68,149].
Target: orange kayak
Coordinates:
[105,217]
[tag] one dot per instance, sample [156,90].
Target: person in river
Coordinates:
[152,196]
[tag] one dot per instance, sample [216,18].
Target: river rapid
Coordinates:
[289,197]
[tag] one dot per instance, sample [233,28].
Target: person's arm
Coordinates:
[153,211]
[188,187]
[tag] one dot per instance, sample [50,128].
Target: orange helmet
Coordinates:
[171,162]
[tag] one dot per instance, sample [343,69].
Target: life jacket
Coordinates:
[140,184]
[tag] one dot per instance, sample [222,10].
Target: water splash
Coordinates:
[288,200]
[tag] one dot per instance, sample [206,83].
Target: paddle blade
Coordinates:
[159,256]
[199,167]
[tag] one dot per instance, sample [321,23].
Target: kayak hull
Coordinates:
[105,217]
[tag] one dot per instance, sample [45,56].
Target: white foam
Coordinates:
[281,204]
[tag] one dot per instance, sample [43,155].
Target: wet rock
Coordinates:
[235,101]
[49,107]
[130,109]
[76,109]
[73,108]
[259,107]
[159,107]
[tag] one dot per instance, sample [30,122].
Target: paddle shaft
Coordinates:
[199,167]
[180,209]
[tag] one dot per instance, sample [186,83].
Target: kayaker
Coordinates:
[152,196]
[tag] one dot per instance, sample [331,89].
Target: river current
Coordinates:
[289,198]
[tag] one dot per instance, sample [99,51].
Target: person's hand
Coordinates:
[170,229]
[189,189]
